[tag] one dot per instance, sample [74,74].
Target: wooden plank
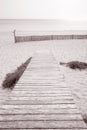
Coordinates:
[38,111]
[38,101]
[33,84]
[41,97]
[43,124]
[43,129]
[57,106]
[42,92]
[33,94]
[33,117]
[29,88]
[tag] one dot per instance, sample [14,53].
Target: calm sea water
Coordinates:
[41,25]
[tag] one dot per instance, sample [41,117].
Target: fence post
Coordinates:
[14,35]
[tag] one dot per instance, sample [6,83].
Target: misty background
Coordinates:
[43,9]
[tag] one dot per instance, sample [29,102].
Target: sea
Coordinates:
[41,25]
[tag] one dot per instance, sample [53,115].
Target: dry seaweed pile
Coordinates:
[75,65]
[12,78]
[85,118]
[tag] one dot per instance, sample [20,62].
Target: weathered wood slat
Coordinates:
[34,102]
[40,88]
[25,93]
[35,95]
[38,111]
[44,129]
[43,124]
[63,98]
[24,117]
[57,106]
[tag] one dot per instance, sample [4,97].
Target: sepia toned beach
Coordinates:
[14,54]
[43,65]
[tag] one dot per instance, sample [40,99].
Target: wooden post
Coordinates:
[14,35]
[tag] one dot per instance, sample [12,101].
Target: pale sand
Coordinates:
[12,55]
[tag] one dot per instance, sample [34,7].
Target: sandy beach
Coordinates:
[13,55]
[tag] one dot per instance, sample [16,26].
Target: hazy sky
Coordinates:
[43,9]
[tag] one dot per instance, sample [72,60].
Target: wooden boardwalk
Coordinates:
[41,100]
